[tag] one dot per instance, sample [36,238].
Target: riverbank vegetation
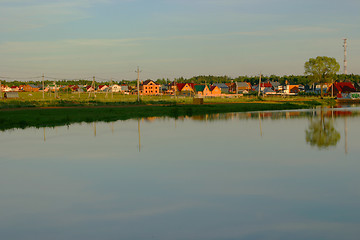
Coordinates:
[35,99]
[47,116]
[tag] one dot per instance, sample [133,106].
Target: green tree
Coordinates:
[321,70]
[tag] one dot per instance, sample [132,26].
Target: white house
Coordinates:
[115,88]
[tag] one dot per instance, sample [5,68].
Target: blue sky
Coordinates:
[173,38]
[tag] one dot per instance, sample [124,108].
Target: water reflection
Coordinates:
[237,176]
[321,132]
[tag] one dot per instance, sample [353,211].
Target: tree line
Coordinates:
[202,79]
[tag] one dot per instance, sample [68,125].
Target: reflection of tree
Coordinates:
[321,133]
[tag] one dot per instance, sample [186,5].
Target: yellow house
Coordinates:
[215,91]
[186,89]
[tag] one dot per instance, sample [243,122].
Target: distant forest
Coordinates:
[292,79]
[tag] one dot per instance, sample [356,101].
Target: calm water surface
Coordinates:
[269,175]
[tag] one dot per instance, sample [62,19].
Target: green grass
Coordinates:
[27,111]
[35,99]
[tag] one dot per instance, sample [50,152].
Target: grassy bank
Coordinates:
[35,99]
[50,117]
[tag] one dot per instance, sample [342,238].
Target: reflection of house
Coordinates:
[149,87]
[341,87]
[202,90]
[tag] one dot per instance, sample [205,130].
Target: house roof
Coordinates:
[344,87]
[124,88]
[180,86]
[221,85]
[274,84]
[213,87]
[266,84]
[268,89]
[243,84]
[148,82]
[357,86]
[199,88]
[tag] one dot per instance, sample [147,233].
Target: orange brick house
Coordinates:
[30,88]
[149,87]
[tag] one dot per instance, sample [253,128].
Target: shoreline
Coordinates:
[12,118]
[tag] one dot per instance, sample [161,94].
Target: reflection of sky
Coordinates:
[191,180]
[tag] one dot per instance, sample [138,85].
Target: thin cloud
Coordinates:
[23,14]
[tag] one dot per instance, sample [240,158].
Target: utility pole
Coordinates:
[259,85]
[1,90]
[93,87]
[345,53]
[175,88]
[43,86]
[55,88]
[138,84]
[112,88]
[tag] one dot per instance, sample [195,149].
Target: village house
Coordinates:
[5,88]
[276,86]
[102,88]
[240,87]
[89,89]
[15,88]
[185,89]
[51,87]
[215,91]
[202,90]
[125,89]
[74,88]
[30,88]
[149,87]
[341,87]
[223,87]
[115,88]
[291,89]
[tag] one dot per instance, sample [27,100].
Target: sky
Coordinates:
[73,39]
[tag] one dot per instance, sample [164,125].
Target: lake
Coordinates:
[260,175]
